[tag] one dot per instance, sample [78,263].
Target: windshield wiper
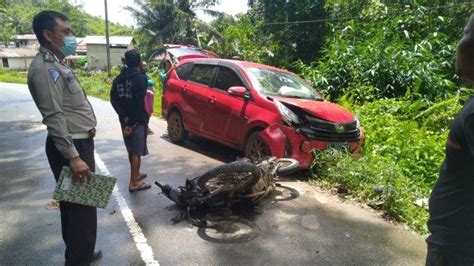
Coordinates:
[302,97]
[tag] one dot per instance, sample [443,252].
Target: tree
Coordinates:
[6,31]
[293,25]
[241,40]
[16,17]
[169,21]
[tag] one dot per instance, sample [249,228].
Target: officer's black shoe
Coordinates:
[97,255]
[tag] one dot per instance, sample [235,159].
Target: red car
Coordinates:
[258,109]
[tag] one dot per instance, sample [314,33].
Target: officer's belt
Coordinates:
[84,135]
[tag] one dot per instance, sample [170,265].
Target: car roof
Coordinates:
[180,52]
[242,64]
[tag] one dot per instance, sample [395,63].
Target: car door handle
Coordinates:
[184,90]
[212,99]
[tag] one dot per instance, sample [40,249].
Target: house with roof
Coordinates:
[17,58]
[26,40]
[81,48]
[97,52]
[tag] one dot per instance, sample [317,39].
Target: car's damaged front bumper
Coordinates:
[285,141]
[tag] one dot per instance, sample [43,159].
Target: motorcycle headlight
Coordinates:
[288,116]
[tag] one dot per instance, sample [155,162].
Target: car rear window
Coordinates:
[177,52]
[227,78]
[202,74]
[183,71]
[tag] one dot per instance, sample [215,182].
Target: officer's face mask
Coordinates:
[69,46]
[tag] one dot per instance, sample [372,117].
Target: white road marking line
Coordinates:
[140,240]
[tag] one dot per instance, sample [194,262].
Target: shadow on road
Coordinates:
[209,148]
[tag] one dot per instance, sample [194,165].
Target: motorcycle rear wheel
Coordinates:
[230,177]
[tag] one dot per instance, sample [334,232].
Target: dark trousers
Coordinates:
[78,222]
[442,256]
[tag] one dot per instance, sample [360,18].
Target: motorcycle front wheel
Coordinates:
[286,166]
[230,177]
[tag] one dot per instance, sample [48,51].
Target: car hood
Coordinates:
[321,109]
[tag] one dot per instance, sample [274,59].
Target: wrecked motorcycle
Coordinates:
[240,183]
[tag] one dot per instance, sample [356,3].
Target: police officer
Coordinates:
[71,123]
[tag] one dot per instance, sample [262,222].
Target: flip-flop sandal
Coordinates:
[141,186]
[142,177]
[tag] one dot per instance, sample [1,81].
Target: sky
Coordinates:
[119,15]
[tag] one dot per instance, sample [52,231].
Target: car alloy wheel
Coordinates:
[176,129]
[256,147]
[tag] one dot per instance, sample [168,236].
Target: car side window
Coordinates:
[202,74]
[183,71]
[227,78]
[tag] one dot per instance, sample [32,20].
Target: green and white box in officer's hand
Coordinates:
[96,192]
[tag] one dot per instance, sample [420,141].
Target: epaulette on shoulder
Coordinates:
[49,57]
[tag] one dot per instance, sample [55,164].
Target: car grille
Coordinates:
[328,131]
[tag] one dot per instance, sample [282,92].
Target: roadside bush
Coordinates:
[403,152]
[390,52]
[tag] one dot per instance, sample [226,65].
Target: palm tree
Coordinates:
[171,21]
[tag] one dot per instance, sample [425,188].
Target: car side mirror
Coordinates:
[237,91]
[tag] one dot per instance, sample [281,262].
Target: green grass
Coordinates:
[97,84]
[12,76]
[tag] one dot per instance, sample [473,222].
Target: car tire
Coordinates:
[176,130]
[256,148]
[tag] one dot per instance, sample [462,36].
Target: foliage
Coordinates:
[393,65]
[158,94]
[267,34]
[293,40]
[19,15]
[169,21]
[390,51]
[13,76]
[402,154]
[6,30]
[97,26]
[241,41]
[97,84]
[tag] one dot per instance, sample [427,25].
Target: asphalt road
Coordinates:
[135,229]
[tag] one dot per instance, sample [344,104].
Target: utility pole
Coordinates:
[107,38]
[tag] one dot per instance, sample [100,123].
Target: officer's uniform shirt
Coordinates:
[61,101]
[451,202]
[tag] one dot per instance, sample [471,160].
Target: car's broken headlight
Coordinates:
[289,117]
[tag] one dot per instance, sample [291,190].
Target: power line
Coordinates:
[359,18]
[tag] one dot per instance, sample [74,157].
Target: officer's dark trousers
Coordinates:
[441,256]
[79,222]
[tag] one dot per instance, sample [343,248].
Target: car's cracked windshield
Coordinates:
[283,84]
